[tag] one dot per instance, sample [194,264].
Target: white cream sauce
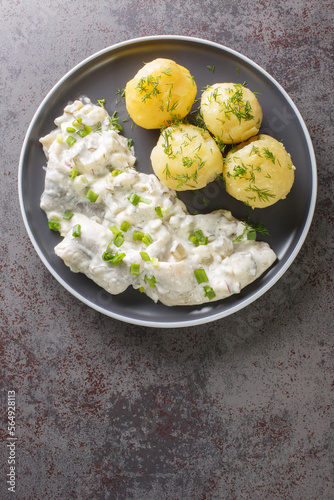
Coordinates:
[170,274]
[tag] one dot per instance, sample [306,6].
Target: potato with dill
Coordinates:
[259,172]
[161,91]
[186,157]
[231,112]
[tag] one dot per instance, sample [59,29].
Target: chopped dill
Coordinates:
[168,150]
[114,122]
[251,230]
[236,104]
[187,161]
[101,102]
[254,150]
[268,154]
[98,129]
[149,86]
[220,177]
[120,92]
[238,170]
[166,171]
[220,144]
[263,194]
[167,72]
[185,180]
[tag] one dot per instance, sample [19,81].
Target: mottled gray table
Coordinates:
[240,408]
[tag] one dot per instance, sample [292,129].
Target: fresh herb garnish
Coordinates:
[91,196]
[201,276]
[250,231]
[209,292]
[268,154]
[54,225]
[76,231]
[114,122]
[101,102]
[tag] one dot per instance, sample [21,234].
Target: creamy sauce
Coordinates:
[164,264]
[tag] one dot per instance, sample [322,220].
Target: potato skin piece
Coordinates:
[160,91]
[259,172]
[186,157]
[231,112]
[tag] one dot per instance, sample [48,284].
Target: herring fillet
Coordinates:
[175,280]
[104,164]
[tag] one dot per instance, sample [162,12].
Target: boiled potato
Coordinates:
[160,91]
[259,172]
[186,157]
[231,112]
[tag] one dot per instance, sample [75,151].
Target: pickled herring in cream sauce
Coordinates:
[121,227]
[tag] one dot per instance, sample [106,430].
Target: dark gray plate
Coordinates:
[99,77]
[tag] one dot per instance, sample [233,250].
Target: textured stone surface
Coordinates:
[237,409]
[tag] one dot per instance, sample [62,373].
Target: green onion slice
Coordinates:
[145,200]
[151,281]
[84,131]
[107,256]
[76,231]
[115,230]
[159,212]
[202,240]
[77,121]
[137,235]
[116,172]
[209,292]
[198,238]
[201,276]
[119,240]
[118,257]
[54,225]
[147,239]
[68,215]
[113,259]
[135,269]
[193,239]
[145,256]
[135,199]
[73,173]
[70,129]
[70,140]
[125,226]
[91,196]
[251,235]
[199,234]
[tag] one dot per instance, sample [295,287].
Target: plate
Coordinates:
[104,76]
